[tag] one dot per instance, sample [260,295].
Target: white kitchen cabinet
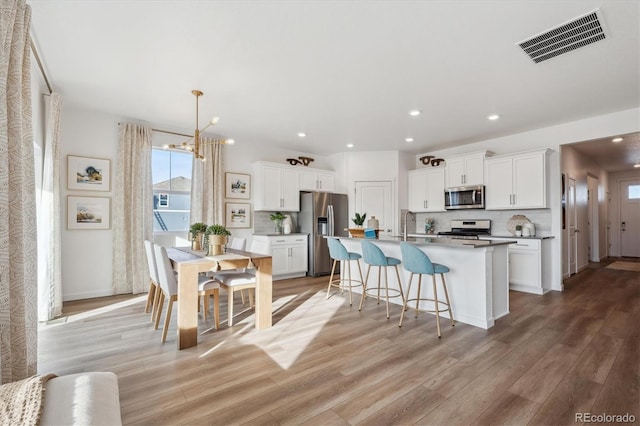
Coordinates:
[529,264]
[288,253]
[317,180]
[516,181]
[426,190]
[465,170]
[276,187]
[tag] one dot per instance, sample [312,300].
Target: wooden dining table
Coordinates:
[190,263]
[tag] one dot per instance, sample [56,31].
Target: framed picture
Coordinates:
[88,212]
[238,215]
[91,174]
[237,185]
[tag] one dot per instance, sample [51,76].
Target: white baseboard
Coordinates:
[86,295]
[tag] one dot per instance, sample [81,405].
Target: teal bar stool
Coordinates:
[373,256]
[416,261]
[339,253]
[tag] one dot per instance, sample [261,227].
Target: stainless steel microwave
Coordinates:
[464,197]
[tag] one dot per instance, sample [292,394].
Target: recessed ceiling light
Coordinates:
[637,165]
[616,140]
[408,140]
[414,112]
[349,145]
[493,117]
[302,134]
[230,141]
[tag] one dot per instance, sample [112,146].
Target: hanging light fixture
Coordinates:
[195,146]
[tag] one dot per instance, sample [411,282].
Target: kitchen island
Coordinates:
[478,281]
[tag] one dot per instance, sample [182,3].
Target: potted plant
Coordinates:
[278,217]
[359,219]
[196,235]
[518,230]
[216,236]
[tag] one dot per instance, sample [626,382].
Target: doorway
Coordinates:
[571,225]
[629,196]
[375,198]
[593,221]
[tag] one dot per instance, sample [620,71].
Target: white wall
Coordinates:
[614,207]
[86,255]
[578,167]
[553,137]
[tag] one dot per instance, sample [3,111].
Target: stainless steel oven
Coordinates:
[464,197]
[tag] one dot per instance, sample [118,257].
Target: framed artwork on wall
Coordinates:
[238,215]
[88,212]
[89,174]
[237,185]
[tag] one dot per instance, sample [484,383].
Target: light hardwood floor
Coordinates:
[325,363]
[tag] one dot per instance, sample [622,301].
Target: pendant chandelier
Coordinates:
[194,144]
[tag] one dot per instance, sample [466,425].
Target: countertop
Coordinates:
[273,234]
[535,237]
[439,241]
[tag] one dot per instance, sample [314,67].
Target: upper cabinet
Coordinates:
[276,187]
[426,189]
[516,181]
[317,180]
[465,169]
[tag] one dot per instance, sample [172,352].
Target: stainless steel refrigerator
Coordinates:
[322,214]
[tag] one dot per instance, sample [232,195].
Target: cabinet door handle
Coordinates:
[319,184]
[514,199]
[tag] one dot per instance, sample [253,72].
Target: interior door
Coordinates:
[376,199]
[571,225]
[630,218]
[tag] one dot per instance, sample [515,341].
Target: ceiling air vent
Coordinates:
[564,38]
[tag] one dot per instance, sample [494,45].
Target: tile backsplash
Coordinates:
[262,224]
[541,218]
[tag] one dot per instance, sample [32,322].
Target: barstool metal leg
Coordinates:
[379,278]
[399,283]
[386,286]
[435,298]
[406,300]
[364,287]
[333,269]
[349,267]
[418,296]
[446,295]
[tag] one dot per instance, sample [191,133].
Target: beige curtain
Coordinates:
[18,240]
[49,241]
[207,185]
[132,209]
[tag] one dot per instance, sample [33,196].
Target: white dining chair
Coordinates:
[238,280]
[169,287]
[154,286]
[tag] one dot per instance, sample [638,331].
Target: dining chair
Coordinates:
[154,286]
[236,280]
[169,287]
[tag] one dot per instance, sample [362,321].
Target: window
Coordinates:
[634,192]
[171,176]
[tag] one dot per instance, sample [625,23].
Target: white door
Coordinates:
[376,199]
[499,183]
[592,218]
[417,191]
[571,222]
[630,218]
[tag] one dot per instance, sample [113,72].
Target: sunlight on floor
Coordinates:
[288,339]
[93,312]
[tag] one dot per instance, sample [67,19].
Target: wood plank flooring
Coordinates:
[326,363]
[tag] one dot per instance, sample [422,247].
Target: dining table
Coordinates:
[189,263]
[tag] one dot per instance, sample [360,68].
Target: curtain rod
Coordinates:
[44,75]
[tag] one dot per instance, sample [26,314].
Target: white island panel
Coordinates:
[478,281]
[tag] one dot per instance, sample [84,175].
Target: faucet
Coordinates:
[404,231]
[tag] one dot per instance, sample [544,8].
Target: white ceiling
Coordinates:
[340,71]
